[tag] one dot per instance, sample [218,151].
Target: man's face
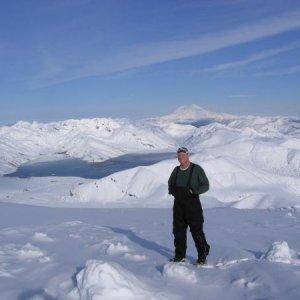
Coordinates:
[183,158]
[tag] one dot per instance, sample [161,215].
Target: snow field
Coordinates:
[111,253]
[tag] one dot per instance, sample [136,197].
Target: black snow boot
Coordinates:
[201,261]
[177,259]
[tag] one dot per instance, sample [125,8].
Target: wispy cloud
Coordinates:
[286,71]
[210,3]
[250,59]
[240,96]
[141,55]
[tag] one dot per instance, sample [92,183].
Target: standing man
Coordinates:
[186,182]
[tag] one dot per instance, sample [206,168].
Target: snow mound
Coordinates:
[42,237]
[108,280]
[281,252]
[116,248]
[30,252]
[180,272]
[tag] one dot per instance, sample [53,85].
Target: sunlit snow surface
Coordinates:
[84,253]
[100,222]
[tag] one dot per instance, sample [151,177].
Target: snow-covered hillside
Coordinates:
[89,139]
[120,248]
[251,161]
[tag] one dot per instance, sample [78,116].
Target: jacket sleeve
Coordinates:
[202,180]
[171,179]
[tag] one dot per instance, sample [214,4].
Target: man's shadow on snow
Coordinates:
[150,245]
[257,254]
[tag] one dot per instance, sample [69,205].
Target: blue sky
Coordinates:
[64,59]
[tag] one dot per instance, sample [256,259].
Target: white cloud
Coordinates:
[146,54]
[250,59]
[286,71]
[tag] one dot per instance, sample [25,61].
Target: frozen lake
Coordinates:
[73,167]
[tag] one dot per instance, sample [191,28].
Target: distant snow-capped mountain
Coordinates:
[193,112]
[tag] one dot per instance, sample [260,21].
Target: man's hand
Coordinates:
[191,191]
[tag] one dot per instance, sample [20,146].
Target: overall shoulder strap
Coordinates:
[190,175]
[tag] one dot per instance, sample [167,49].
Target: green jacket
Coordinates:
[199,182]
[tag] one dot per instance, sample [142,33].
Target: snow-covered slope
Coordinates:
[251,161]
[89,139]
[241,183]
